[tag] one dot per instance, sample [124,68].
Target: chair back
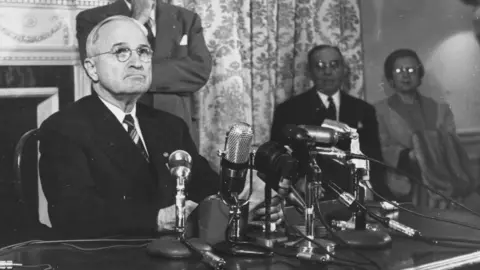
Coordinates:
[27,183]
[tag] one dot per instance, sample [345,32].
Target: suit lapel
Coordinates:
[159,144]
[348,112]
[115,141]
[169,27]
[316,107]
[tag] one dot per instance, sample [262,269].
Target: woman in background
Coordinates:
[418,136]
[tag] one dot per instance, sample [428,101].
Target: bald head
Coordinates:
[99,29]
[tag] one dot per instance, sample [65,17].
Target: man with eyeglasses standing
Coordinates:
[181,61]
[104,159]
[328,100]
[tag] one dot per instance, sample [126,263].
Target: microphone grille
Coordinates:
[238,143]
[180,158]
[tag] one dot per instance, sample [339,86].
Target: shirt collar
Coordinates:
[335,97]
[119,114]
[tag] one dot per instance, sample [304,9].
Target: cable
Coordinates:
[419,182]
[104,248]
[422,215]
[351,201]
[14,247]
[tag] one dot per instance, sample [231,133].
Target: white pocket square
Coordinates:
[184,41]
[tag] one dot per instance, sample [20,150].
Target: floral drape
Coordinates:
[259,48]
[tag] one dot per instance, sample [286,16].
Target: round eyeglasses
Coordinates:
[124,53]
[408,70]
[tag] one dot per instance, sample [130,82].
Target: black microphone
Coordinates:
[281,169]
[349,201]
[235,161]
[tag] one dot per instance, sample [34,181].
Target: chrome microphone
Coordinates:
[310,134]
[340,127]
[235,161]
[180,164]
[321,134]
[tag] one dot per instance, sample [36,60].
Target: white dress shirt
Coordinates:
[336,101]
[151,22]
[120,115]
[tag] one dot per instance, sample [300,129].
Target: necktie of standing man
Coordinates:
[331,109]
[132,131]
[151,27]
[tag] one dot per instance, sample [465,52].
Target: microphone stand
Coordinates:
[306,248]
[361,237]
[177,246]
[234,243]
[269,236]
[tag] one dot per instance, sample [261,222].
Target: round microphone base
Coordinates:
[302,245]
[365,239]
[171,247]
[242,249]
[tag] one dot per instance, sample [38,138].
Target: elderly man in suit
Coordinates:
[181,60]
[104,159]
[328,70]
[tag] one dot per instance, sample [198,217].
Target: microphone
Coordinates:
[340,127]
[336,153]
[310,134]
[322,135]
[277,164]
[180,164]
[235,161]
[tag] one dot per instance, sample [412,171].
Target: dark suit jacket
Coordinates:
[308,109]
[97,182]
[178,71]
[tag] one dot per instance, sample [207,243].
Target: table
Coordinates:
[403,253]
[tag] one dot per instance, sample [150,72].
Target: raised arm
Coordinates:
[188,67]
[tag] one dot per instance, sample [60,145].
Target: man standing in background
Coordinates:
[181,62]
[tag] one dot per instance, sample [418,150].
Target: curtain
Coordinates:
[259,50]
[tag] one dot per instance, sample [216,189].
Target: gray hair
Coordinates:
[93,36]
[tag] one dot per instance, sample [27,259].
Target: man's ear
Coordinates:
[91,69]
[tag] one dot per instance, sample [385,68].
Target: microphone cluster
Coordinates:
[277,164]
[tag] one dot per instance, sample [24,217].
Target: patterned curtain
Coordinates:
[259,48]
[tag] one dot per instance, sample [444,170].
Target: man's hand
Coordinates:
[141,10]
[166,216]
[276,213]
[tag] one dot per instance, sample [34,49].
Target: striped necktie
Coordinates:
[132,131]
[151,29]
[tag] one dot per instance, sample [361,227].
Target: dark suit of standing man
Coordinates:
[328,71]
[181,60]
